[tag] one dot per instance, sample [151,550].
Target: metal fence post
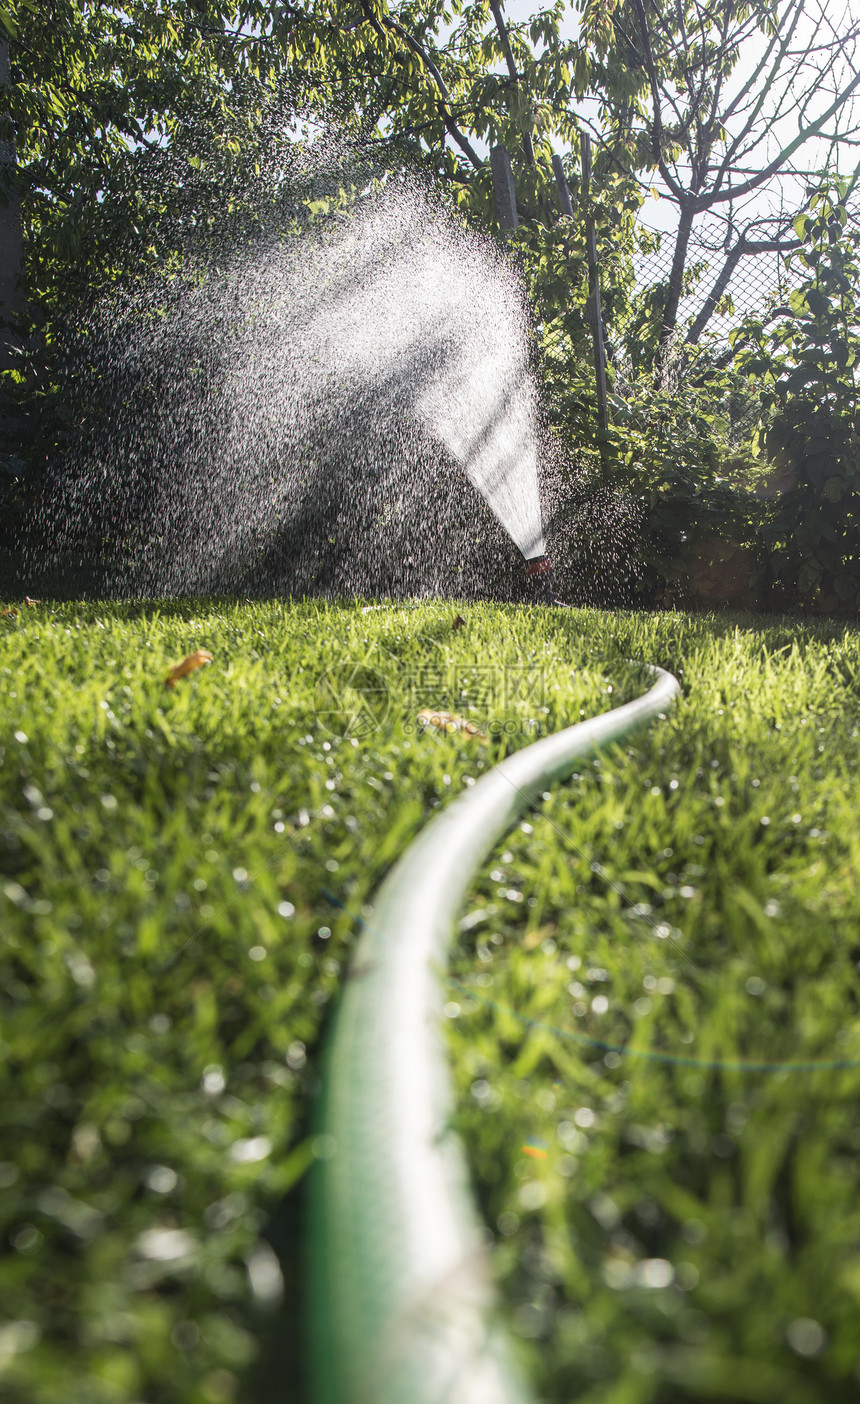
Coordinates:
[503,189]
[564,199]
[593,308]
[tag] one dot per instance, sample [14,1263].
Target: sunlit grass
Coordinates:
[180,876]
[172,867]
[658,1049]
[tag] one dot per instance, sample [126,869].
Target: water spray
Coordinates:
[285,418]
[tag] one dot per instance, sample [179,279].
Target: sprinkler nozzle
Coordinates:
[541,566]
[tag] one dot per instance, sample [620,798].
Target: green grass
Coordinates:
[181,877]
[651,970]
[170,950]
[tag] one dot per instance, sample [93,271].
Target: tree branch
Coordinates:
[495,6]
[657,125]
[782,49]
[450,125]
[784,156]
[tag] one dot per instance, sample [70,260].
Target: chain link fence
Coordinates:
[753,282]
[757,283]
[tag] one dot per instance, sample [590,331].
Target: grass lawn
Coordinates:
[182,873]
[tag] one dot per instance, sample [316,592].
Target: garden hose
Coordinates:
[402,1308]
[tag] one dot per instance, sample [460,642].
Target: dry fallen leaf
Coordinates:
[8,613]
[450,722]
[197,659]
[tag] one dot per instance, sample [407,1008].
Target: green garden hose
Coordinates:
[402,1307]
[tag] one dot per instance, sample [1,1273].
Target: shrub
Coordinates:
[681,494]
[806,356]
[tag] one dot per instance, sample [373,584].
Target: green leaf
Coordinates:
[834,489]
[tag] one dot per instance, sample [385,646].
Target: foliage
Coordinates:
[807,356]
[677,105]
[553,261]
[658,86]
[101,94]
[146,134]
[701,515]
[435,75]
[163,196]
[96,90]
[681,460]
[138,132]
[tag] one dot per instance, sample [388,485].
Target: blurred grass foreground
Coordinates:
[653,1013]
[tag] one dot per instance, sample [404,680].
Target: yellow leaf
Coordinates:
[450,723]
[197,659]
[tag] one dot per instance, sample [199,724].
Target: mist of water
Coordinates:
[290,418]
[417,305]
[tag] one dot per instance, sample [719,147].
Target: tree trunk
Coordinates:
[673,293]
[733,258]
[12,301]
[495,6]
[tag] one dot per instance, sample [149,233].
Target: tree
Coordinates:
[122,119]
[11,292]
[97,88]
[660,83]
[679,103]
[680,109]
